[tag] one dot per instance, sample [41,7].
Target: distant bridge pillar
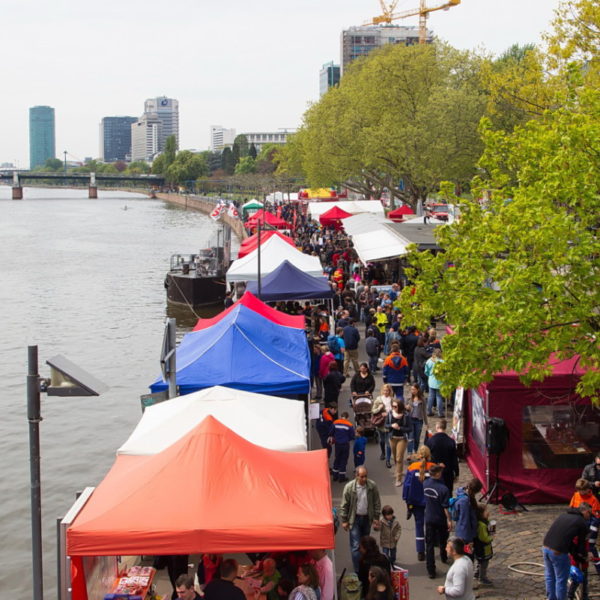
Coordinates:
[93,189]
[17,188]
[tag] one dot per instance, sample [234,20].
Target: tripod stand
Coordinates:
[509,500]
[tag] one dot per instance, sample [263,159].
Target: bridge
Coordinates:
[80,180]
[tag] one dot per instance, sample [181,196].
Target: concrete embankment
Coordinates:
[206,206]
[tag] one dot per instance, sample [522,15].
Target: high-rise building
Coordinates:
[360,41]
[167,110]
[221,137]
[42,145]
[115,138]
[146,134]
[329,75]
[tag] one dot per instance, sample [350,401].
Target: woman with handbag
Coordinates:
[418,417]
[382,405]
[399,425]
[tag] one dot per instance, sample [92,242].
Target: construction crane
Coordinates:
[423,11]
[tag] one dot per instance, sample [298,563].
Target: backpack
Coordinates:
[333,344]
[452,508]
[350,587]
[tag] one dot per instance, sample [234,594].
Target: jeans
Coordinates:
[361,527]
[373,362]
[435,533]
[556,572]
[390,553]
[415,436]
[384,444]
[434,393]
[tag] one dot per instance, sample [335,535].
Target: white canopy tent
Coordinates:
[362,223]
[282,197]
[378,244]
[316,209]
[268,421]
[272,253]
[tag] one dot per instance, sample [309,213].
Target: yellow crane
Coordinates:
[423,11]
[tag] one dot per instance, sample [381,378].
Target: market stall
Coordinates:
[264,217]
[316,209]
[272,422]
[250,207]
[398,214]
[333,217]
[237,497]
[552,433]
[251,243]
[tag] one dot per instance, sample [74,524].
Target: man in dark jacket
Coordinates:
[591,473]
[224,588]
[372,349]
[443,451]
[558,542]
[408,345]
[351,339]
[437,518]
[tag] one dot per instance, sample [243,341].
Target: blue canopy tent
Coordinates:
[287,282]
[244,351]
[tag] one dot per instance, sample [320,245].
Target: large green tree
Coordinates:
[405,114]
[518,278]
[187,166]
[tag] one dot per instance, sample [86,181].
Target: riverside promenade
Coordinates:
[518,536]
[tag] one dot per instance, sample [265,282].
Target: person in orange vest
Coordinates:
[341,433]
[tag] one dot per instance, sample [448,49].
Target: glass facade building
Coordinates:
[42,145]
[115,138]
[328,77]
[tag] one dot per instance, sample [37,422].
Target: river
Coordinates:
[83,278]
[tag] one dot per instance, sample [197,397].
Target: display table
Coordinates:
[248,584]
[136,581]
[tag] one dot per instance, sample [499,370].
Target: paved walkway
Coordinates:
[518,539]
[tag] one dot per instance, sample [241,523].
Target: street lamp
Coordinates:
[66,379]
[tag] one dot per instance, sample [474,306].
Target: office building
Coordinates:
[42,145]
[360,41]
[328,77]
[167,110]
[115,138]
[146,135]
[221,137]
[259,139]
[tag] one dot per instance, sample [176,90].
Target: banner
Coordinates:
[457,417]
[217,212]
[232,211]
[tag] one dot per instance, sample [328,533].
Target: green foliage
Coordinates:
[246,165]
[407,113]
[252,151]
[138,167]
[170,150]
[518,280]
[227,161]
[240,147]
[54,164]
[187,166]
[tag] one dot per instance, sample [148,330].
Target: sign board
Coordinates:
[457,417]
[151,399]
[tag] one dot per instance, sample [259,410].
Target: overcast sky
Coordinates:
[252,66]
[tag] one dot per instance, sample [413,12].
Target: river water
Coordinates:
[83,278]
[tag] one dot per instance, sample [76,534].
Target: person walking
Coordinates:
[325,572]
[420,358]
[360,509]
[443,452]
[399,425]
[395,370]
[389,533]
[332,384]
[591,472]
[438,523]
[323,425]
[459,579]
[418,417]
[558,541]
[435,395]
[372,349]
[351,338]
[382,406]
[342,433]
[465,510]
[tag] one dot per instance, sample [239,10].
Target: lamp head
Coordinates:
[67,379]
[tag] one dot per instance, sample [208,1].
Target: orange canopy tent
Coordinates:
[263,217]
[333,217]
[211,491]
[249,300]
[251,243]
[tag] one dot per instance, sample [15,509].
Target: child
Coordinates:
[389,533]
[483,544]
[360,447]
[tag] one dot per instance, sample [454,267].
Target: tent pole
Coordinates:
[258,260]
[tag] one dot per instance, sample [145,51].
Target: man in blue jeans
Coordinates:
[557,543]
[361,507]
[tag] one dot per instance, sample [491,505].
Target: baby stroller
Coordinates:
[363,410]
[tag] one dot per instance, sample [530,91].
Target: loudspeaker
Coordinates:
[497,435]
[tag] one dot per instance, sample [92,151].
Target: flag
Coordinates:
[216,212]
[232,211]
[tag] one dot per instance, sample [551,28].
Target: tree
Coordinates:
[246,165]
[518,278]
[241,144]
[170,150]
[187,166]
[54,164]
[252,152]
[138,167]
[403,113]
[227,161]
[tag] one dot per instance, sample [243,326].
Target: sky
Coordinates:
[251,66]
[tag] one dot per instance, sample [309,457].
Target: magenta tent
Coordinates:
[334,217]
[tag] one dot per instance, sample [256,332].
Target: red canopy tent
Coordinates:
[251,243]
[263,217]
[333,217]
[233,497]
[399,213]
[552,433]
[250,301]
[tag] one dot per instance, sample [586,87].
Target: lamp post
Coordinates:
[67,379]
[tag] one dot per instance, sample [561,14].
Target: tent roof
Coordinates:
[378,244]
[212,491]
[251,242]
[363,222]
[400,212]
[421,234]
[271,422]
[334,213]
[272,253]
[264,216]
[246,351]
[316,209]
[252,204]
[287,282]
[253,303]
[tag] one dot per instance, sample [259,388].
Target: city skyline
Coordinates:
[256,70]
